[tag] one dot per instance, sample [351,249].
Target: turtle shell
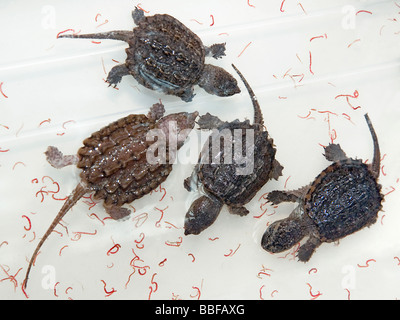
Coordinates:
[344,198]
[164,53]
[113,161]
[222,179]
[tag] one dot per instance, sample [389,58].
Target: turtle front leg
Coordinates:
[191,183]
[240,211]
[116,73]
[156,112]
[57,160]
[216,51]
[277,196]
[306,250]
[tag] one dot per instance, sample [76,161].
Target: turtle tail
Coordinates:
[258,117]
[122,35]
[376,162]
[78,192]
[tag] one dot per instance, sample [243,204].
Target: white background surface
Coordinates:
[300,57]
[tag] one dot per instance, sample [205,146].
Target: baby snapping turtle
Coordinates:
[165,55]
[225,176]
[344,198]
[115,164]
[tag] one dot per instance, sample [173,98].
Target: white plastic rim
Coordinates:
[316,68]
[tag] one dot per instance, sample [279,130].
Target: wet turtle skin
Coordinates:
[220,180]
[344,198]
[115,164]
[165,55]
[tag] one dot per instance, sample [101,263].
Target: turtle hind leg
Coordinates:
[57,160]
[333,152]
[276,171]
[116,212]
[116,73]
[186,95]
[216,51]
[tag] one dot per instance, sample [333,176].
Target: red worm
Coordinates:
[261,292]
[231,253]
[348,294]
[1,90]
[311,64]
[365,11]
[19,162]
[114,249]
[212,20]
[198,294]
[62,250]
[174,244]
[250,5]
[162,263]
[47,120]
[151,287]
[314,296]
[73,32]
[244,48]
[77,235]
[317,37]
[313,270]
[55,292]
[29,222]
[139,7]
[281,8]
[193,258]
[108,293]
[366,263]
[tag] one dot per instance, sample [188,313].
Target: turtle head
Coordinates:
[201,214]
[177,126]
[218,81]
[282,235]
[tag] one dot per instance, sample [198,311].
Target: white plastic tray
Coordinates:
[302,58]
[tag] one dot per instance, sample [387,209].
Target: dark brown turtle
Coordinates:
[344,198]
[224,175]
[115,162]
[165,55]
